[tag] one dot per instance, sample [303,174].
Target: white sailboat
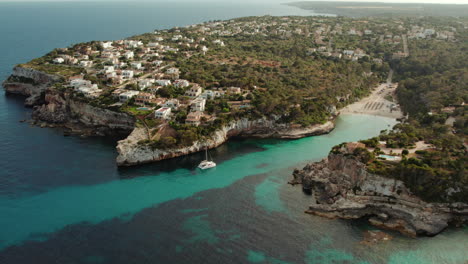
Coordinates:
[206,164]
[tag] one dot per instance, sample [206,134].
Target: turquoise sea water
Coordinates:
[62,200]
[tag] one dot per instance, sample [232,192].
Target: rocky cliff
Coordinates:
[54,107]
[132,153]
[58,108]
[62,109]
[343,188]
[30,83]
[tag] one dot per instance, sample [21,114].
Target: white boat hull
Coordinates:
[206,164]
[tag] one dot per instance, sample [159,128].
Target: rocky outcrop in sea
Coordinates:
[343,188]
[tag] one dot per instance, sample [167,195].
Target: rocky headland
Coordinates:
[343,188]
[56,108]
[133,153]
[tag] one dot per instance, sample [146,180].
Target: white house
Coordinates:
[348,52]
[194,91]
[219,42]
[59,60]
[193,118]
[127,74]
[176,38]
[157,63]
[86,63]
[133,43]
[129,54]
[163,113]
[108,69]
[145,83]
[120,65]
[136,65]
[172,103]
[111,75]
[124,97]
[204,50]
[181,83]
[212,94]
[75,83]
[91,92]
[106,45]
[153,44]
[164,82]
[198,105]
[172,71]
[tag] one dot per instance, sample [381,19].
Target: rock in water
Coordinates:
[343,188]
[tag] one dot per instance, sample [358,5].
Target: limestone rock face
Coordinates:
[59,108]
[62,109]
[132,153]
[343,188]
[29,82]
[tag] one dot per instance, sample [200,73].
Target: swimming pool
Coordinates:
[388,157]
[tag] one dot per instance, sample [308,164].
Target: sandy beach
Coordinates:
[376,103]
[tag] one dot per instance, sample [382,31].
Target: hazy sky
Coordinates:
[279,1]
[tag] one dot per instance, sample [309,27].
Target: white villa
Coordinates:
[136,65]
[181,83]
[163,113]
[75,83]
[86,63]
[145,83]
[127,74]
[90,91]
[194,91]
[164,82]
[124,97]
[198,105]
[106,45]
[172,103]
[129,54]
[59,60]
[193,118]
[108,69]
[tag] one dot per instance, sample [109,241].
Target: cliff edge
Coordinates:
[343,188]
[131,152]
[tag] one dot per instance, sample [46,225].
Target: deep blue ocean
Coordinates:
[63,200]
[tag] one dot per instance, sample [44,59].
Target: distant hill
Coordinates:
[360,9]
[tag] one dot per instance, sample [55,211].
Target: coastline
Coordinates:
[343,188]
[132,153]
[53,108]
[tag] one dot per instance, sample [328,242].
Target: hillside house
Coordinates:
[172,103]
[198,105]
[125,96]
[127,74]
[163,113]
[144,98]
[194,91]
[194,118]
[181,83]
[163,82]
